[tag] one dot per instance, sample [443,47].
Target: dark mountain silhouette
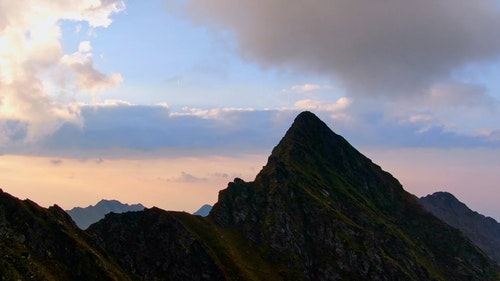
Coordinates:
[45,244]
[203,211]
[91,214]
[484,231]
[318,210]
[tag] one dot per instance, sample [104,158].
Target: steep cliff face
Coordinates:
[483,231]
[320,210]
[45,244]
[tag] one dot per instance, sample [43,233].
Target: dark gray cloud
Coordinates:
[394,47]
[110,130]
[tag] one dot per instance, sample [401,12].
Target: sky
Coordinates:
[164,102]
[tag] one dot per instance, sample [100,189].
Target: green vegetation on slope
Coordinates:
[45,244]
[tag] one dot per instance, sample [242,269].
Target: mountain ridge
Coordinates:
[318,210]
[483,231]
[85,216]
[45,244]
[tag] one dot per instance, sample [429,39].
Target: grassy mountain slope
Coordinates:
[45,244]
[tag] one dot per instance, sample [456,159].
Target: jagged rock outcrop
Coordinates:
[84,217]
[483,231]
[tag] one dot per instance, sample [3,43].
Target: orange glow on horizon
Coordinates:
[182,184]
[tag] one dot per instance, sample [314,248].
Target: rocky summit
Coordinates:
[318,210]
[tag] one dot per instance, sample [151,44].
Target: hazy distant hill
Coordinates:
[318,210]
[484,231]
[91,214]
[203,211]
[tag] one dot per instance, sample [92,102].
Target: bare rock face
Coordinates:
[318,210]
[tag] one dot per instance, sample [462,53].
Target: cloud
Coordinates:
[492,135]
[394,48]
[221,175]
[87,78]
[186,177]
[56,162]
[336,110]
[221,113]
[309,104]
[130,131]
[460,95]
[33,66]
[305,88]
[121,129]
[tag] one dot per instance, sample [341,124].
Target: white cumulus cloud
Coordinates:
[86,76]
[32,61]
[309,104]
[307,88]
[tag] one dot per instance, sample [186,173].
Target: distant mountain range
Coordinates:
[84,217]
[203,211]
[318,210]
[483,231]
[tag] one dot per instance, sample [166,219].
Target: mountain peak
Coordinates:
[310,146]
[444,199]
[443,195]
[203,211]
[306,119]
[318,194]
[307,127]
[484,231]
